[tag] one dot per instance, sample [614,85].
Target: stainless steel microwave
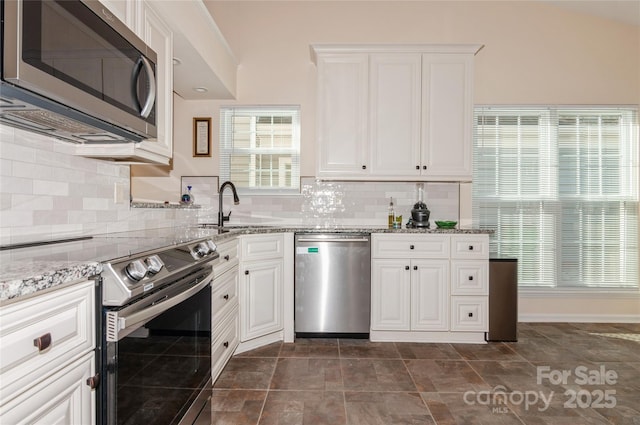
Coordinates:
[71,70]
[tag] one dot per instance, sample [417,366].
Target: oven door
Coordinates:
[157,369]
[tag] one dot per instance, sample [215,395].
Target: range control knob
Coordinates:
[212,246]
[136,270]
[154,264]
[200,250]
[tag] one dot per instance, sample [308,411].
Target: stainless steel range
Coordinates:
[155,353]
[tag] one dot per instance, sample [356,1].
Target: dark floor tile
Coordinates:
[489,351]
[365,349]
[236,407]
[458,409]
[444,375]
[304,407]
[411,350]
[307,374]
[246,373]
[271,350]
[511,376]
[556,411]
[597,348]
[376,375]
[625,409]
[539,348]
[311,347]
[395,408]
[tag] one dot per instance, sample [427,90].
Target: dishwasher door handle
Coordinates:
[334,240]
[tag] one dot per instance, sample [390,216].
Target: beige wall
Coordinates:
[534,53]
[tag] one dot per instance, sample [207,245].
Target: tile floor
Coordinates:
[342,381]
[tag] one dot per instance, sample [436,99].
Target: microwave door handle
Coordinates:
[151,95]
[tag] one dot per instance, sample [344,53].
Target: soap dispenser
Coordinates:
[187,197]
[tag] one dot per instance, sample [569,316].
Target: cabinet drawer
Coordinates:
[470,247]
[469,313]
[228,251]
[224,296]
[410,246]
[63,321]
[469,277]
[63,398]
[261,247]
[225,344]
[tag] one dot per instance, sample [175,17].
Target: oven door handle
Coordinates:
[126,324]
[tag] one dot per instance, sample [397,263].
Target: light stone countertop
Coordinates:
[29,270]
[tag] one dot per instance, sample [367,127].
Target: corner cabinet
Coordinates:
[141,17]
[394,112]
[47,355]
[429,287]
[261,289]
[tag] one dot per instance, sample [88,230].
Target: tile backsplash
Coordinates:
[47,193]
[329,203]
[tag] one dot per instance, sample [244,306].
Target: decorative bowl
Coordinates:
[446,224]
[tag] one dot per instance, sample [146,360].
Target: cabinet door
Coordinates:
[342,115]
[395,98]
[390,295]
[159,37]
[63,398]
[447,116]
[261,299]
[430,295]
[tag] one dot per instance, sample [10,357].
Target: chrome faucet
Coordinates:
[221,217]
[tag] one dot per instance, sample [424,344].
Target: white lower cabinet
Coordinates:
[63,398]
[47,357]
[225,335]
[262,295]
[429,287]
[261,287]
[410,295]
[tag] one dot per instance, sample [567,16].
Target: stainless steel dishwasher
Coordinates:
[332,285]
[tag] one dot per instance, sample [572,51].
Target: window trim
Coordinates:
[225,151]
[560,284]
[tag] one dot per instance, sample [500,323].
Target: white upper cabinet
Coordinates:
[342,114]
[142,18]
[447,116]
[395,112]
[159,37]
[395,82]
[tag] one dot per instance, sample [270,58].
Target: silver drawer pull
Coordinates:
[42,342]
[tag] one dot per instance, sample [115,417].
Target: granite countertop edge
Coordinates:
[45,275]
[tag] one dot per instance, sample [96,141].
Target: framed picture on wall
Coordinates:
[202,137]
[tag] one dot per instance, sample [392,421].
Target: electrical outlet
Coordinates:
[118,193]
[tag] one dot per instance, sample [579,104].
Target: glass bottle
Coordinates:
[392,214]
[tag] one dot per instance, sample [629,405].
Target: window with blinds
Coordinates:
[260,148]
[559,187]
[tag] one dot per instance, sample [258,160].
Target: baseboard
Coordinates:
[580,318]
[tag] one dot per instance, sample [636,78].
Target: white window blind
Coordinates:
[559,187]
[260,148]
